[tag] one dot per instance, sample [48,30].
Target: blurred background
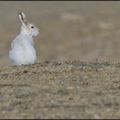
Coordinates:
[69,30]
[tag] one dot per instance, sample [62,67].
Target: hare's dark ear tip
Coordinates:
[20,13]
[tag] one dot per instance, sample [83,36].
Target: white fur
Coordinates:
[22,50]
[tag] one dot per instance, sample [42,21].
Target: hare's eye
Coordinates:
[32,26]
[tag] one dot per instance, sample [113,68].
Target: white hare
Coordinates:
[22,50]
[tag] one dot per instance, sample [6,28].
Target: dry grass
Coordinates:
[70,89]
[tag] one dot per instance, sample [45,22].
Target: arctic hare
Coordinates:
[22,50]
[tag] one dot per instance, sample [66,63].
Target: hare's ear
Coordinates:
[22,18]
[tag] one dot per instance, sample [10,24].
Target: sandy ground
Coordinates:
[77,72]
